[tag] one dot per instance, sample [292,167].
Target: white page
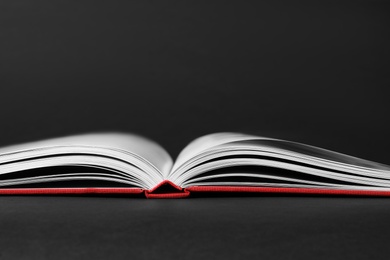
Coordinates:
[145,148]
[191,161]
[206,142]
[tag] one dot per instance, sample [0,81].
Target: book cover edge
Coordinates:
[287,190]
[185,192]
[87,190]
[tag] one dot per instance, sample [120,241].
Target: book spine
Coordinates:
[166,189]
[183,194]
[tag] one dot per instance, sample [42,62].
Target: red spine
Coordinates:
[174,193]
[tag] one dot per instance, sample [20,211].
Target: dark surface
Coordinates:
[316,73]
[219,228]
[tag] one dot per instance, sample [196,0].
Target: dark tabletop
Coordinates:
[220,228]
[312,72]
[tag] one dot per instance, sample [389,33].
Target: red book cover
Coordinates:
[167,189]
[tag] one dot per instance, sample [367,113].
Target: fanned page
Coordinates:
[237,162]
[88,163]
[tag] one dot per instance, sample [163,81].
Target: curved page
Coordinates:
[138,151]
[219,159]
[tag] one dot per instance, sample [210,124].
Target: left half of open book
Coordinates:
[86,163]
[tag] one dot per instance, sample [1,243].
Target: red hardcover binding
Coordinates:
[286,190]
[167,189]
[59,191]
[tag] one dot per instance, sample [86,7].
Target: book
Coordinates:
[122,163]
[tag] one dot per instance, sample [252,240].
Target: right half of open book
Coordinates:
[221,162]
[233,162]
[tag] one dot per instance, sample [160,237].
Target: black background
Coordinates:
[310,71]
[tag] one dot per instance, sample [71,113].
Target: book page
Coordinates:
[126,143]
[206,142]
[235,159]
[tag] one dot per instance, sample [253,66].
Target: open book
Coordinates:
[221,162]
